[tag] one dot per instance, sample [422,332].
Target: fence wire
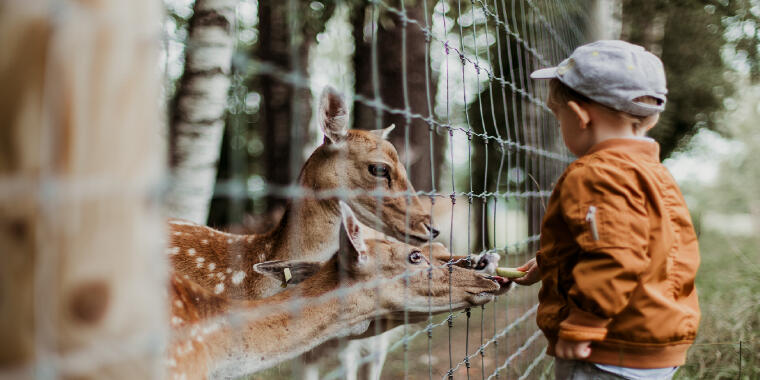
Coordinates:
[484,52]
[501,153]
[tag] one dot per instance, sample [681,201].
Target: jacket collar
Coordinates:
[646,147]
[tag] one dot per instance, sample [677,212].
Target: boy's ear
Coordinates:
[299,270]
[649,123]
[580,112]
[353,248]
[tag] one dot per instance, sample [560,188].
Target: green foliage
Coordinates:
[729,278]
[701,44]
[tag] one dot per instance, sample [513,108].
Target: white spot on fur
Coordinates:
[200,259]
[179,304]
[229,270]
[173,250]
[218,288]
[176,320]
[191,251]
[249,239]
[182,223]
[186,277]
[229,241]
[204,241]
[211,328]
[177,233]
[238,277]
[261,257]
[211,266]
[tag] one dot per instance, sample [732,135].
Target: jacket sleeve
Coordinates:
[605,208]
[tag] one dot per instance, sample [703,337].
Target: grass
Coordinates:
[729,293]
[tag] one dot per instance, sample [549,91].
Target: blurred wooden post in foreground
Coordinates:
[81,274]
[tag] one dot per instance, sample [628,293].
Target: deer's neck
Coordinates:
[223,263]
[309,229]
[283,331]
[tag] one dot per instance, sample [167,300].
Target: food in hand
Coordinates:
[509,272]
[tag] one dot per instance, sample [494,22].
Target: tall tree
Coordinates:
[198,110]
[287,31]
[530,161]
[690,36]
[400,85]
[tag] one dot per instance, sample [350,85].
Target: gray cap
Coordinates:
[613,73]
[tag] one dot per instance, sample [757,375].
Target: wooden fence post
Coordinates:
[81,270]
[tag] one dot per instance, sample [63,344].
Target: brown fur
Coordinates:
[308,229]
[266,336]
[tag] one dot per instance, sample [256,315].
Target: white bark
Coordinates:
[197,123]
[81,280]
[608,20]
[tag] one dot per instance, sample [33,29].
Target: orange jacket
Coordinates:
[618,259]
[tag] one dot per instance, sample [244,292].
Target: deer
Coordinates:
[333,299]
[354,160]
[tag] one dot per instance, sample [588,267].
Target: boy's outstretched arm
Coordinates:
[532,273]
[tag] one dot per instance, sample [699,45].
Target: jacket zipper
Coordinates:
[591,220]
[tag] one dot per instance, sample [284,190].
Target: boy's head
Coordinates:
[604,89]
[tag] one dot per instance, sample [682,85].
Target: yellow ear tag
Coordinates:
[288,276]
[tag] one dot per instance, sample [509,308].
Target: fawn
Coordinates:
[364,280]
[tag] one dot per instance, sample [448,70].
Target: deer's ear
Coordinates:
[383,133]
[298,270]
[333,115]
[352,243]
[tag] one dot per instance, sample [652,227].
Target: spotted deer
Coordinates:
[364,279]
[354,160]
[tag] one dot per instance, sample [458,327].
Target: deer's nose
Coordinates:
[432,230]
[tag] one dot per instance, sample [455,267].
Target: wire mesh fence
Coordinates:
[473,134]
[493,147]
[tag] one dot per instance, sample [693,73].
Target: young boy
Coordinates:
[618,251]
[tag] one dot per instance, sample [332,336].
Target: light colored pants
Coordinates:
[578,370]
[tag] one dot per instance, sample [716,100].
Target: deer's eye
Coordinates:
[415,257]
[379,170]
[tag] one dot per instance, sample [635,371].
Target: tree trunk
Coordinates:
[81,282]
[286,106]
[197,121]
[391,87]
[607,20]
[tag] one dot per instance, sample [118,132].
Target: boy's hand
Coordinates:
[572,350]
[532,274]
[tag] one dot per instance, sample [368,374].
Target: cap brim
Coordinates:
[547,73]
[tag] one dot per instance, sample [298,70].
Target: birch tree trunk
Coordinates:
[197,121]
[81,281]
[608,20]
